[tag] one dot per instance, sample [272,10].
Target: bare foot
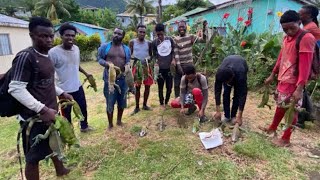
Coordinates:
[266,130]
[119,123]
[280,143]
[110,127]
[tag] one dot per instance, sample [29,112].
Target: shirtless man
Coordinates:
[119,54]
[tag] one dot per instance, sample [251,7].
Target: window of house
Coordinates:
[5,46]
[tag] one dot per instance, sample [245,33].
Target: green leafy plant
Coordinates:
[87,45]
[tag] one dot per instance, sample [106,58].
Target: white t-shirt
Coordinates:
[66,64]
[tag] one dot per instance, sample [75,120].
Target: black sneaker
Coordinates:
[147,108]
[203,119]
[191,110]
[135,111]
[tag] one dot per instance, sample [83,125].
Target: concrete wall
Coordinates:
[19,40]
[264,17]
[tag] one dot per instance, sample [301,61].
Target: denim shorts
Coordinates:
[112,98]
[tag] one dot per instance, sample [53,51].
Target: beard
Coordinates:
[116,40]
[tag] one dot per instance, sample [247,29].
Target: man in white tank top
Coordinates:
[141,50]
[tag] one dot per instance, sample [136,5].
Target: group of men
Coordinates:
[190,87]
[34,69]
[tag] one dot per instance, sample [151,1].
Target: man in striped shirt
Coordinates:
[183,54]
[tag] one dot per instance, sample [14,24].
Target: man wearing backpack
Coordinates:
[193,90]
[231,73]
[33,86]
[293,69]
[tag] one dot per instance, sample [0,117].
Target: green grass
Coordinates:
[175,153]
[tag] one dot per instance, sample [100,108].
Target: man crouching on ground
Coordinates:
[193,90]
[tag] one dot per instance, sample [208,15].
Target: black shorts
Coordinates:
[39,151]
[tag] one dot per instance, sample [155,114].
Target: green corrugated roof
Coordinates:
[184,16]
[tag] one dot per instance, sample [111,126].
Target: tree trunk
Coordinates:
[159,18]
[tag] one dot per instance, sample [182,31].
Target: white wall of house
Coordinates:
[19,39]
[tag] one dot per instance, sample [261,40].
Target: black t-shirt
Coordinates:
[163,61]
[43,89]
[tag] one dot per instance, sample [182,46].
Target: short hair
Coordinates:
[313,11]
[182,22]
[67,26]
[39,21]
[141,26]
[224,74]
[190,69]
[289,16]
[159,27]
[123,31]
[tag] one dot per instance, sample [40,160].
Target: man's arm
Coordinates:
[131,46]
[205,94]
[101,55]
[83,71]
[217,94]
[306,50]
[22,71]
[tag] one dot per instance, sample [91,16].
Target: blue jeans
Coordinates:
[112,98]
[226,101]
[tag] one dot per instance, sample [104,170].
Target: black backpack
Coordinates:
[9,106]
[315,65]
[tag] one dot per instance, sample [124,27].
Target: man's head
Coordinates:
[141,31]
[68,34]
[41,33]
[182,28]
[190,72]
[309,13]
[160,31]
[118,35]
[205,23]
[225,75]
[290,22]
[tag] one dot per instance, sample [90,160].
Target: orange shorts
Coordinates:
[148,81]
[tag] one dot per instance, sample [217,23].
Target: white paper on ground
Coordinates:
[211,139]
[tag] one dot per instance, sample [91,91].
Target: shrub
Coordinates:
[129,35]
[88,45]
[260,51]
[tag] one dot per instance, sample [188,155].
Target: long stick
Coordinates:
[206,47]
[313,90]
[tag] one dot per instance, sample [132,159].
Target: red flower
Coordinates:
[243,43]
[247,23]
[226,15]
[177,22]
[240,19]
[250,11]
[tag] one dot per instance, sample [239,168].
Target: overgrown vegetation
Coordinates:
[260,51]
[88,45]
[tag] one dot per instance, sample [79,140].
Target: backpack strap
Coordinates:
[198,76]
[298,40]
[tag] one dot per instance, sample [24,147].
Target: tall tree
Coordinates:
[159,16]
[188,5]
[140,7]
[51,8]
